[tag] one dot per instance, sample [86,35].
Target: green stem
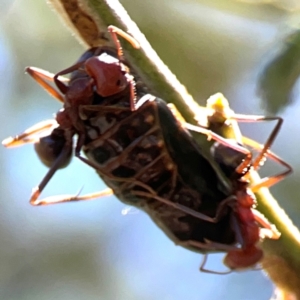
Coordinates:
[89,20]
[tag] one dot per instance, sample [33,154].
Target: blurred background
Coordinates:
[247,50]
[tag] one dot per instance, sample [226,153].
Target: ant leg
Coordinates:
[132,93]
[56,78]
[114,31]
[178,206]
[269,230]
[268,181]
[40,76]
[73,198]
[252,118]
[204,270]
[30,135]
[43,74]
[61,158]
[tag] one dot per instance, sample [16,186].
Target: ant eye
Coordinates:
[118,82]
[49,148]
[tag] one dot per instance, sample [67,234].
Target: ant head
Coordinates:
[50,147]
[108,73]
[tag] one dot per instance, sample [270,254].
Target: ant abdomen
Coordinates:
[50,147]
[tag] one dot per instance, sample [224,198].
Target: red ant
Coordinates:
[101,73]
[250,225]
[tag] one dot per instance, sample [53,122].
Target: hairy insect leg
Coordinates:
[30,135]
[253,118]
[61,86]
[58,162]
[268,230]
[268,181]
[40,76]
[114,31]
[72,198]
[43,74]
[132,93]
